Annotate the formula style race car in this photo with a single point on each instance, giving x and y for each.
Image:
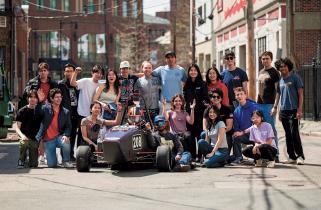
(129, 143)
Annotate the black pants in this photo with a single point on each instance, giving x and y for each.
(292, 136)
(267, 152)
(188, 142)
(80, 140)
(73, 134)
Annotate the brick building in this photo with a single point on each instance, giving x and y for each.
(13, 45)
(85, 33)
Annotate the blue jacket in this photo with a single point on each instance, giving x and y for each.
(242, 115)
(64, 122)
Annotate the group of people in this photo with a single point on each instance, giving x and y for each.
(207, 121)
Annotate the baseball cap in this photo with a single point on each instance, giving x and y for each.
(124, 64)
(170, 53)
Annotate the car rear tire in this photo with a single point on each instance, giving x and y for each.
(83, 158)
(164, 158)
(3, 132)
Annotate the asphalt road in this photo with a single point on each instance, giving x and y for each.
(284, 187)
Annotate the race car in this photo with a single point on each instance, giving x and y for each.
(129, 143)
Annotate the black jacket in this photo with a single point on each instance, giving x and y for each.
(64, 86)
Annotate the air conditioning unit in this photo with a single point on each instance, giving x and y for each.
(3, 21)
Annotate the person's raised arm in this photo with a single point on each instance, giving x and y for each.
(117, 120)
(164, 112)
(190, 118)
(73, 80)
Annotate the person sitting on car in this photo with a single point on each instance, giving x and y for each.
(91, 125)
(165, 137)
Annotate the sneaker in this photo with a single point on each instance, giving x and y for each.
(236, 162)
(300, 161)
(290, 161)
(277, 160)
(185, 168)
(67, 165)
(258, 163)
(270, 164)
(21, 164)
(42, 160)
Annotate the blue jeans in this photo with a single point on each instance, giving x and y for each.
(50, 151)
(218, 159)
(185, 158)
(266, 109)
(237, 145)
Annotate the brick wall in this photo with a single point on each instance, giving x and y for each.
(306, 45)
(307, 6)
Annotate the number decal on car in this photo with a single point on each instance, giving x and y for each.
(137, 142)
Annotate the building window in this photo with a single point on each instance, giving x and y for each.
(200, 16)
(91, 6)
(101, 4)
(40, 4)
(204, 16)
(115, 7)
(2, 55)
(79, 5)
(92, 47)
(261, 45)
(65, 5)
(125, 8)
(2, 5)
(53, 45)
(53, 4)
(135, 9)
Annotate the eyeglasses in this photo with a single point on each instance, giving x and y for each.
(229, 58)
(215, 96)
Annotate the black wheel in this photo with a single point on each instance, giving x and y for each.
(164, 158)
(83, 158)
(3, 132)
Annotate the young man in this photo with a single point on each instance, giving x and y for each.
(55, 130)
(268, 82)
(127, 82)
(28, 122)
(41, 83)
(163, 136)
(172, 77)
(87, 88)
(70, 102)
(148, 87)
(233, 77)
(290, 91)
(241, 122)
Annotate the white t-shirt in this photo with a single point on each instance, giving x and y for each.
(87, 89)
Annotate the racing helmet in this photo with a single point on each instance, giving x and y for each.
(135, 115)
(159, 120)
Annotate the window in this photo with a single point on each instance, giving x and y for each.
(115, 7)
(53, 45)
(125, 8)
(2, 55)
(261, 45)
(101, 5)
(91, 6)
(2, 5)
(135, 9)
(40, 4)
(79, 5)
(200, 16)
(53, 4)
(65, 5)
(91, 47)
(204, 16)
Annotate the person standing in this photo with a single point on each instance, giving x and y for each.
(172, 77)
(87, 88)
(268, 81)
(290, 95)
(214, 82)
(70, 102)
(55, 130)
(148, 87)
(27, 125)
(42, 83)
(195, 89)
(233, 77)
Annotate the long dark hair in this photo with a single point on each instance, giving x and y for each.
(219, 77)
(209, 121)
(198, 79)
(116, 84)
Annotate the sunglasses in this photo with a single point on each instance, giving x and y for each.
(229, 58)
(214, 96)
(160, 123)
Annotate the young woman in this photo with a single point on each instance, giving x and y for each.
(214, 81)
(178, 118)
(262, 134)
(214, 146)
(91, 125)
(108, 95)
(195, 89)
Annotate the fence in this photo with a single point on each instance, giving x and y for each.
(311, 77)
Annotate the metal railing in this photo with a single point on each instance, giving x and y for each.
(311, 77)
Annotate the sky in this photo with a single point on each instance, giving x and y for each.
(152, 6)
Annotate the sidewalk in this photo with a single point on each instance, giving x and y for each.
(307, 128)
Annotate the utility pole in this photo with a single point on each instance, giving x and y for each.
(193, 32)
(251, 50)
